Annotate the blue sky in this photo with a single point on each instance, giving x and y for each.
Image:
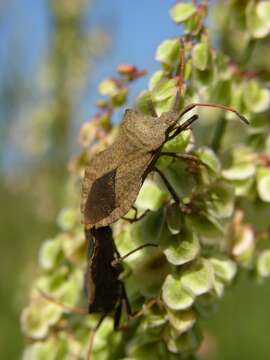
(135, 29)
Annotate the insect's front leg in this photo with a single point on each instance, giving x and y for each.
(121, 258)
(92, 336)
(183, 126)
(136, 217)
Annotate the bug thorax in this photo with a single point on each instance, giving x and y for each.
(169, 119)
(145, 131)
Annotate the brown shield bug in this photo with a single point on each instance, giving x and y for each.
(114, 176)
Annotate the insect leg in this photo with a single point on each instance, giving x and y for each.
(135, 209)
(137, 249)
(183, 126)
(117, 316)
(121, 258)
(92, 336)
(79, 311)
(125, 300)
(168, 185)
(187, 157)
(136, 218)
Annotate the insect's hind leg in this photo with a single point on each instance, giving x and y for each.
(124, 302)
(92, 336)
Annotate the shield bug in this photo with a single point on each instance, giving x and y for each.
(114, 176)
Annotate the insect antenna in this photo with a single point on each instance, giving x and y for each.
(218, 106)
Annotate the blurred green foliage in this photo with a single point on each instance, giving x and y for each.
(217, 242)
(31, 198)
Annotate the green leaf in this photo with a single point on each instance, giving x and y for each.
(119, 98)
(200, 56)
(165, 105)
(222, 199)
(243, 187)
(185, 343)
(256, 98)
(263, 263)
(40, 350)
(173, 294)
(155, 320)
(164, 90)
(149, 229)
(183, 248)
(263, 183)
(219, 288)
(37, 318)
(179, 143)
(244, 247)
(74, 247)
(182, 321)
(102, 334)
(182, 11)
(178, 177)
(69, 292)
(168, 52)
(67, 219)
(163, 162)
(150, 196)
(258, 16)
(188, 70)
(208, 229)
(174, 218)
(144, 101)
(155, 79)
(208, 157)
(241, 171)
(199, 279)
(141, 351)
(108, 87)
(50, 253)
(225, 269)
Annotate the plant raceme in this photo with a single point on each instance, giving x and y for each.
(222, 168)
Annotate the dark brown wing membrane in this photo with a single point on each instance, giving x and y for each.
(101, 281)
(101, 198)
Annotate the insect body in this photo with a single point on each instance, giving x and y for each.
(114, 176)
(105, 292)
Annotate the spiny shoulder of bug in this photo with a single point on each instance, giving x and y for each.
(135, 120)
